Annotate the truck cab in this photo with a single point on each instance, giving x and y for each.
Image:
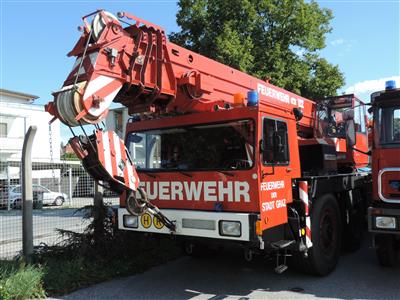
(213, 172)
(384, 213)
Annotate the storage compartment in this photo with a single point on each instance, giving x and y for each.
(318, 159)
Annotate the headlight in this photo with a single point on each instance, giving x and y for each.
(230, 228)
(131, 221)
(385, 222)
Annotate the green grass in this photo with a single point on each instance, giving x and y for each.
(58, 271)
(18, 281)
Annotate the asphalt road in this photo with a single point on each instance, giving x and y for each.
(228, 276)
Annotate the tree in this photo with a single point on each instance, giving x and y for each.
(270, 39)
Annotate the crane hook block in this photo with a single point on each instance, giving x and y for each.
(105, 157)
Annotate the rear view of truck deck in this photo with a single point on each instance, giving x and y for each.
(212, 154)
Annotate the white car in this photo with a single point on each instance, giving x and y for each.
(49, 197)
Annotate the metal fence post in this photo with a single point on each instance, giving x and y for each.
(27, 195)
(8, 187)
(70, 185)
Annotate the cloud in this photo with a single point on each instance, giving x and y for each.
(337, 42)
(342, 46)
(368, 86)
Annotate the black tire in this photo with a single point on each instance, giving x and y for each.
(386, 250)
(59, 201)
(326, 231)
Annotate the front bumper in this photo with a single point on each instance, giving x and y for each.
(374, 212)
(192, 223)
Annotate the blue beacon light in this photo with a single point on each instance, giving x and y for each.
(252, 98)
(390, 85)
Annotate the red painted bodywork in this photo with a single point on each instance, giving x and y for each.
(171, 86)
(384, 156)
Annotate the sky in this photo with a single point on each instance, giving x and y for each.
(35, 37)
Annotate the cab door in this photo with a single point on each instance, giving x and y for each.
(360, 122)
(275, 181)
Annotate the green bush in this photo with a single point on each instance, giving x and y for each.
(20, 282)
(100, 253)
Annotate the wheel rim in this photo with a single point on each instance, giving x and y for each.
(328, 233)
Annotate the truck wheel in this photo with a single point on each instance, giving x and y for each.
(386, 250)
(323, 256)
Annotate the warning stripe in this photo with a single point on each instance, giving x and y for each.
(117, 147)
(337, 145)
(131, 177)
(107, 153)
(303, 193)
(113, 153)
(126, 165)
(96, 85)
(100, 147)
(340, 145)
(114, 157)
(103, 87)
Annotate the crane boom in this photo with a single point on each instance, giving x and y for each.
(138, 67)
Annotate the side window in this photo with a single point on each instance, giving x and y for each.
(360, 118)
(364, 119)
(396, 125)
(275, 142)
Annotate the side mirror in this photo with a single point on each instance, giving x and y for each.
(350, 133)
(262, 146)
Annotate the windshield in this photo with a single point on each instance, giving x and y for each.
(389, 125)
(218, 146)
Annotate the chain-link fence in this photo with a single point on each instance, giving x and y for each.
(59, 190)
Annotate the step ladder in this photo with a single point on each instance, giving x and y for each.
(279, 246)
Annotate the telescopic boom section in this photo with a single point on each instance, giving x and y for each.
(138, 67)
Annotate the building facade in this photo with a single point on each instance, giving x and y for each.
(17, 112)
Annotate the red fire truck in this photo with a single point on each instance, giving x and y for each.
(384, 214)
(211, 154)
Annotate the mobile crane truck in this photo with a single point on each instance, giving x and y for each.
(211, 154)
(384, 213)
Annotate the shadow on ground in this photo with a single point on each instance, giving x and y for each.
(227, 275)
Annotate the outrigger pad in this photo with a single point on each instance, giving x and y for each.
(105, 157)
